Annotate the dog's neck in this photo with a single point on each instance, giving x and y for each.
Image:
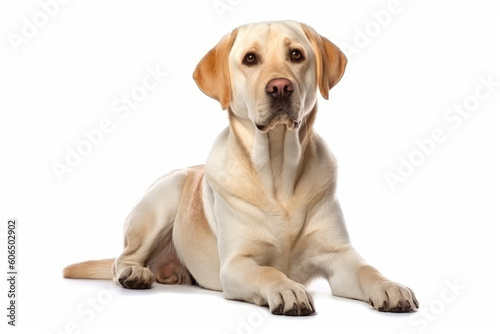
(276, 156)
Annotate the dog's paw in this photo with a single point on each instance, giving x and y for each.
(135, 277)
(290, 298)
(388, 296)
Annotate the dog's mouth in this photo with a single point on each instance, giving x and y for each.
(280, 116)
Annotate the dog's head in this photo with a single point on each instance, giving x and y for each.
(269, 73)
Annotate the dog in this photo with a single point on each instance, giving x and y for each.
(260, 219)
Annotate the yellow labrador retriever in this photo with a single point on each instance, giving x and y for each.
(260, 219)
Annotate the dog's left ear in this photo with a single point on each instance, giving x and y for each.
(330, 61)
(212, 73)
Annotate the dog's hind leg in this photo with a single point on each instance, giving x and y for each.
(165, 264)
(147, 228)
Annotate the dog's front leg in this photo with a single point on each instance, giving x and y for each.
(243, 279)
(348, 274)
(248, 268)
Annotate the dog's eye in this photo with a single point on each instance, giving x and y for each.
(296, 55)
(250, 58)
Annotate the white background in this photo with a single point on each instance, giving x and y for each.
(438, 227)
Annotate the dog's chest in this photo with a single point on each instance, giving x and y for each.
(282, 226)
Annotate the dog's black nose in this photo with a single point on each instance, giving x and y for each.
(279, 88)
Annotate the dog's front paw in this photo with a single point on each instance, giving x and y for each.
(135, 277)
(290, 298)
(388, 296)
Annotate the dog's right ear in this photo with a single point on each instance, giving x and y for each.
(212, 73)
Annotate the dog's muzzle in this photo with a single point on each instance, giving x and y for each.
(279, 92)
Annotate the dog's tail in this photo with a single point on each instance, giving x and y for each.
(101, 269)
